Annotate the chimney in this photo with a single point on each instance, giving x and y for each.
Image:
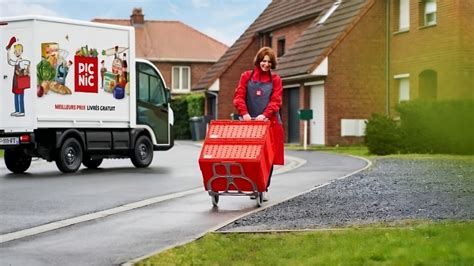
(137, 18)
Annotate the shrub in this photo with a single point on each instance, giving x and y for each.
(181, 118)
(381, 135)
(195, 104)
(437, 126)
(184, 107)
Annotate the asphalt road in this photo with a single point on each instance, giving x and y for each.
(119, 213)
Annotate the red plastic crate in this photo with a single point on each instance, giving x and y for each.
(231, 131)
(237, 163)
(226, 130)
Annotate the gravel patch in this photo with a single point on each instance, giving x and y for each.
(391, 190)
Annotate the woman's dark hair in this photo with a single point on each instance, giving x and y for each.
(262, 53)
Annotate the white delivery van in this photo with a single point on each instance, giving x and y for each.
(73, 92)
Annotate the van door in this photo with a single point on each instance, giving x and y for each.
(153, 104)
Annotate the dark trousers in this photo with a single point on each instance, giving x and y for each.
(270, 177)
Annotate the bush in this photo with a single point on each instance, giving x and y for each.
(437, 126)
(382, 135)
(195, 104)
(181, 118)
(184, 107)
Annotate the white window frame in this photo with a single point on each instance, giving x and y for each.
(403, 87)
(404, 16)
(180, 84)
(430, 8)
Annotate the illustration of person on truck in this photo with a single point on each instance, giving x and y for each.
(21, 75)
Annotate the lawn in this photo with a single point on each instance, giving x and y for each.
(420, 243)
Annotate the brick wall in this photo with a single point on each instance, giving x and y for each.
(355, 85)
(441, 48)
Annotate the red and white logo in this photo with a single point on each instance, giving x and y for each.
(86, 77)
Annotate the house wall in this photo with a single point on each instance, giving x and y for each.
(355, 85)
(466, 14)
(445, 48)
(197, 70)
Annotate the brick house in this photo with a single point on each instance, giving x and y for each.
(348, 59)
(167, 44)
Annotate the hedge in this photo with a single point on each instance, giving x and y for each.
(425, 127)
(184, 107)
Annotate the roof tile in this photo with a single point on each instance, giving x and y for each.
(163, 40)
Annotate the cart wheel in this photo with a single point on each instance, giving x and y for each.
(260, 199)
(215, 200)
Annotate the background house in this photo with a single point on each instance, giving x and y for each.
(346, 60)
(182, 54)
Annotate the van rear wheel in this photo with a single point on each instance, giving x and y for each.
(69, 156)
(17, 161)
(142, 153)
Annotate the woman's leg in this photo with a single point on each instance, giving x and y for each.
(270, 177)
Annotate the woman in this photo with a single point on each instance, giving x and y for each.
(259, 96)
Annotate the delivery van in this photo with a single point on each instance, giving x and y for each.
(73, 92)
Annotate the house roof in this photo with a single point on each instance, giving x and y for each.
(276, 14)
(309, 50)
(158, 40)
(319, 40)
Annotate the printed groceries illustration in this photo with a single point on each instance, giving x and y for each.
(54, 67)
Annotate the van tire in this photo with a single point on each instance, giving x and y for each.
(69, 156)
(17, 161)
(142, 153)
(91, 163)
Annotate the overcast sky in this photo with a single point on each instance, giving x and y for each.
(224, 20)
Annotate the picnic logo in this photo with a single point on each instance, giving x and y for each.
(86, 78)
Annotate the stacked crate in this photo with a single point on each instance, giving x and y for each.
(235, 151)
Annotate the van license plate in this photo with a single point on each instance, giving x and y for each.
(10, 141)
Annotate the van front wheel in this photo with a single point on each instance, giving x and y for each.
(142, 153)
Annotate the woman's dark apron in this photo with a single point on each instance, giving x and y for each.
(257, 97)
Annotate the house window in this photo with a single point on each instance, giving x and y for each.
(281, 47)
(266, 39)
(404, 15)
(429, 12)
(403, 82)
(428, 84)
(181, 80)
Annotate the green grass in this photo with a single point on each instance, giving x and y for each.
(423, 243)
(349, 150)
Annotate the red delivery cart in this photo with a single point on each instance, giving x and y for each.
(236, 159)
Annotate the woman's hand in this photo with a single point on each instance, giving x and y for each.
(246, 117)
(261, 118)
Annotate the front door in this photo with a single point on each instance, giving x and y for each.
(153, 103)
(317, 123)
(293, 118)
